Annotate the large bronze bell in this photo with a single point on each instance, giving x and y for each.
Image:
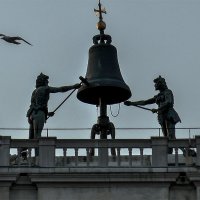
(104, 77)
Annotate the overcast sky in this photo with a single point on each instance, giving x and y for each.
(153, 37)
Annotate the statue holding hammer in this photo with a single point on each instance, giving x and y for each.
(167, 116)
(38, 111)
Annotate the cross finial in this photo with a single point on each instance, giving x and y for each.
(100, 10)
(101, 25)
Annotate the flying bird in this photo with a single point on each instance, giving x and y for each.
(12, 39)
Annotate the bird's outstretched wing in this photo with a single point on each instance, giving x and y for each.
(1, 35)
(19, 38)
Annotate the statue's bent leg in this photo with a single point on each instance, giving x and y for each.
(171, 130)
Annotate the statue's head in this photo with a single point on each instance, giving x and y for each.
(42, 80)
(160, 83)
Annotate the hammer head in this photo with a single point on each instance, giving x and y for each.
(84, 80)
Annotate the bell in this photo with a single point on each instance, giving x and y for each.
(104, 77)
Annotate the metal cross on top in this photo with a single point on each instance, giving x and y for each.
(101, 25)
(100, 11)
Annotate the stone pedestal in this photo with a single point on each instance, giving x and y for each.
(103, 154)
(5, 150)
(47, 152)
(159, 151)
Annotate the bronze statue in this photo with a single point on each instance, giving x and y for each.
(38, 111)
(167, 116)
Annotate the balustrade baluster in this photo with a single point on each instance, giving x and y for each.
(76, 157)
(29, 157)
(18, 156)
(186, 156)
(118, 157)
(65, 156)
(130, 157)
(88, 157)
(176, 156)
(142, 156)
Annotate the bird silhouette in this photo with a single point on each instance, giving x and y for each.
(12, 39)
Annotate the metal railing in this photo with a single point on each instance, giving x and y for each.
(84, 133)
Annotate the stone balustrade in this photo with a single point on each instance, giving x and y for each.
(142, 168)
(151, 152)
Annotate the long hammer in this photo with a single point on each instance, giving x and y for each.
(83, 80)
(143, 108)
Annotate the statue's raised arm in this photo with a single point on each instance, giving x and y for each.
(139, 103)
